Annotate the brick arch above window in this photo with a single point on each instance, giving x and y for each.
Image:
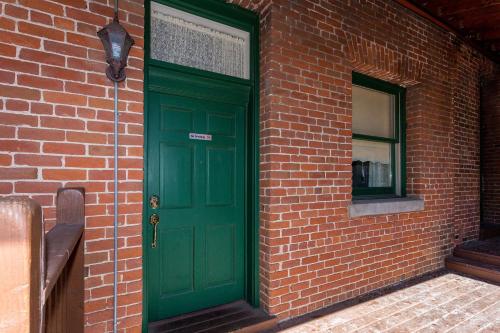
(379, 61)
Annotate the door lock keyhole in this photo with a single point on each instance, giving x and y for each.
(154, 201)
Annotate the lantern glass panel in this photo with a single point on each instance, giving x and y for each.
(116, 50)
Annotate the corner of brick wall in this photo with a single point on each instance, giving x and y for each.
(466, 142)
(490, 147)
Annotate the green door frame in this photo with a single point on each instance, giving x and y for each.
(232, 15)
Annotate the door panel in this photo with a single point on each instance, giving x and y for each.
(199, 260)
(176, 119)
(220, 248)
(222, 124)
(176, 263)
(176, 175)
(220, 176)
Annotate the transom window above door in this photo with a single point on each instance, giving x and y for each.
(378, 139)
(189, 40)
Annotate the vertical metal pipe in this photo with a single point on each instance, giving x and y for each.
(115, 209)
(115, 218)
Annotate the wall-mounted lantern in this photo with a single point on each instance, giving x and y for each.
(117, 43)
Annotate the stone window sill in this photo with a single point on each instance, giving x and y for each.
(385, 206)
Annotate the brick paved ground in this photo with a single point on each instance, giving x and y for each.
(449, 303)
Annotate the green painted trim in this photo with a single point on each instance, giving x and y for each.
(373, 138)
(233, 15)
(370, 82)
(181, 83)
(253, 290)
(372, 191)
(399, 136)
(403, 124)
(145, 245)
(199, 72)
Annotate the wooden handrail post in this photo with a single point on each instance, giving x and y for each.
(41, 277)
(64, 308)
(71, 210)
(70, 206)
(21, 274)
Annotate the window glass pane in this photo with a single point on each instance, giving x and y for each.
(189, 40)
(372, 112)
(371, 164)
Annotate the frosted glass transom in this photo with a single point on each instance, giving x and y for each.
(185, 39)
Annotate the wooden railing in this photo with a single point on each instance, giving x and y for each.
(41, 276)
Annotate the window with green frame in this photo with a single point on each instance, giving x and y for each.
(378, 139)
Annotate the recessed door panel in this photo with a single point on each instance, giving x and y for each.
(176, 175)
(220, 256)
(176, 119)
(221, 123)
(177, 246)
(220, 176)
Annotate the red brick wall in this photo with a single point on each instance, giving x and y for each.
(313, 255)
(56, 129)
(490, 148)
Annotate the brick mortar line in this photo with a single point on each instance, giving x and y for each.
(440, 305)
(475, 315)
(496, 323)
(394, 302)
(407, 308)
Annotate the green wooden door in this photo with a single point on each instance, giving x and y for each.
(196, 166)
